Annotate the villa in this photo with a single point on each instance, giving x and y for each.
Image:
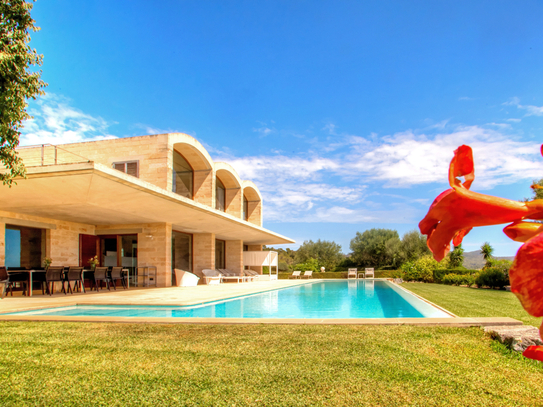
(156, 200)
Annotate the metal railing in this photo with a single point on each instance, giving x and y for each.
(48, 154)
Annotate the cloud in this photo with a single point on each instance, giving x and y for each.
(263, 131)
(530, 109)
(347, 184)
(56, 122)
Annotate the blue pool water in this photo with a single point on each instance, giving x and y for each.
(319, 300)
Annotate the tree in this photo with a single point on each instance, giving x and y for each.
(456, 258)
(487, 250)
(413, 246)
(373, 248)
(537, 187)
(328, 254)
(17, 82)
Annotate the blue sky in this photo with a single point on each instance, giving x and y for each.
(344, 113)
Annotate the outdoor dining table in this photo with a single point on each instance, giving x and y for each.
(29, 278)
(31, 273)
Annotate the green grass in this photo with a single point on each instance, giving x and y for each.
(472, 302)
(54, 364)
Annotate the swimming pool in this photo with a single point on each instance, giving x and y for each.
(319, 300)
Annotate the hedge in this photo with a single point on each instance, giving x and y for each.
(440, 273)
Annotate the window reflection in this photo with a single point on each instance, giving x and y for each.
(220, 195)
(182, 176)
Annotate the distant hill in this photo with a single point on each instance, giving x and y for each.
(475, 260)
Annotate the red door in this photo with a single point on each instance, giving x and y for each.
(88, 248)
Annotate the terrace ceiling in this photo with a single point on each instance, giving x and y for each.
(94, 194)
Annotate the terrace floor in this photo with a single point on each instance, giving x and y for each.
(197, 295)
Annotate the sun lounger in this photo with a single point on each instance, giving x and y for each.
(295, 274)
(253, 275)
(308, 274)
(369, 271)
(231, 275)
(351, 273)
(212, 277)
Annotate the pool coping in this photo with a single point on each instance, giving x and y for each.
(453, 321)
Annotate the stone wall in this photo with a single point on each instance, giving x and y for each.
(203, 253)
(234, 255)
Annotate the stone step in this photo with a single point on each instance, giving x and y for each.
(517, 337)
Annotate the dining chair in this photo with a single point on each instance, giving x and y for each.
(74, 274)
(52, 275)
(117, 274)
(101, 274)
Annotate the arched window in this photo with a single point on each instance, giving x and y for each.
(182, 176)
(245, 208)
(220, 195)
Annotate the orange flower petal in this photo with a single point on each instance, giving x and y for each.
(462, 166)
(534, 352)
(526, 276)
(457, 239)
(523, 231)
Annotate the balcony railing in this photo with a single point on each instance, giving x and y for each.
(48, 154)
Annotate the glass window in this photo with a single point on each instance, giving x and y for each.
(245, 208)
(219, 254)
(220, 195)
(181, 252)
(182, 176)
(24, 246)
(128, 167)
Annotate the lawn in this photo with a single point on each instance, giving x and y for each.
(473, 302)
(52, 363)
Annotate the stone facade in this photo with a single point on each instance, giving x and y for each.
(154, 155)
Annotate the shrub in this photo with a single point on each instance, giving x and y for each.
(458, 279)
(492, 277)
(421, 269)
(283, 266)
(440, 273)
(310, 264)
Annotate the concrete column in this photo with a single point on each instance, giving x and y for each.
(203, 245)
(155, 249)
(204, 187)
(234, 202)
(234, 255)
(2, 244)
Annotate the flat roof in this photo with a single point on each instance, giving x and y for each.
(95, 194)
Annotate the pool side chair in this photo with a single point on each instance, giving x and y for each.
(212, 277)
(295, 274)
(351, 273)
(252, 273)
(308, 274)
(231, 275)
(369, 271)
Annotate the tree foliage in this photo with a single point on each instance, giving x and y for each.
(328, 254)
(456, 258)
(374, 247)
(413, 246)
(537, 187)
(487, 251)
(17, 82)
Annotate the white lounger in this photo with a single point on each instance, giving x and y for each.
(212, 277)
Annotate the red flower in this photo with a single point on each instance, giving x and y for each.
(456, 211)
(534, 352)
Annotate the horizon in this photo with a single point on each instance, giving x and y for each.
(353, 109)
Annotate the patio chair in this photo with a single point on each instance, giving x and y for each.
(231, 275)
(117, 274)
(101, 274)
(212, 277)
(9, 279)
(74, 274)
(295, 274)
(370, 272)
(351, 273)
(308, 274)
(52, 275)
(252, 273)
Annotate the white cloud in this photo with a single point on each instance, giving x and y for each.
(530, 109)
(56, 122)
(334, 185)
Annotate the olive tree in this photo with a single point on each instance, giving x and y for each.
(18, 82)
